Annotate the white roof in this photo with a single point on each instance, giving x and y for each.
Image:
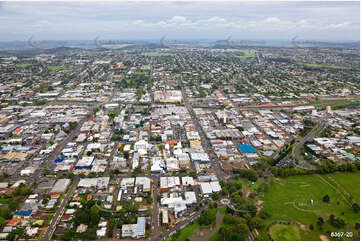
(215, 186)
(101, 232)
(157, 164)
(87, 182)
(206, 188)
(209, 187)
(178, 204)
(60, 185)
(187, 180)
(85, 161)
(127, 182)
(100, 182)
(145, 181)
(190, 197)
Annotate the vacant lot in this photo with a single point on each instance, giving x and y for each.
(290, 198)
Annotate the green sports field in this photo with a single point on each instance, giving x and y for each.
(23, 65)
(290, 199)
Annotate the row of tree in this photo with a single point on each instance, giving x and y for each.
(322, 169)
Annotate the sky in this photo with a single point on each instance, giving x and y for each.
(177, 20)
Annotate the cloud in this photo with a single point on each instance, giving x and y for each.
(272, 20)
(265, 20)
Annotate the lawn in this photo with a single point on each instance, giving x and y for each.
(185, 233)
(23, 65)
(282, 232)
(252, 186)
(328, 66)
(290, 198)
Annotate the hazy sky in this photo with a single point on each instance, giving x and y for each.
(331, 21)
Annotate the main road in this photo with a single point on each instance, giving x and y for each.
(296, 153)
(205, 141)
(60, 211)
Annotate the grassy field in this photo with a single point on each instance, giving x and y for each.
(23, 65)
(348, 181)
(156, 54)
(290, 198)
(115, 113)
(248, 53)
(327, 66)
(282, 232)
(337, 104)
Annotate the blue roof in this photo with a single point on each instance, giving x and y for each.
(59, 159)
(246, 149)
(24, 213)
(309, 154)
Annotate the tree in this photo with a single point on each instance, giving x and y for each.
(208, 217)
(320, 222)
(215, 196)
(94, 215)
(11, 236)
(5, 213)
(336, 222)
(311, 226)
(326, 198)
(67, 236)
(2, 221)
(357, 226)
(255, 223)
(193, 174)
(356, 207)
(233, 228)
(263, 214)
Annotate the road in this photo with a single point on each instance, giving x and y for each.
(221, 175)
(60, 211)
(296, 153)
(155, 212)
